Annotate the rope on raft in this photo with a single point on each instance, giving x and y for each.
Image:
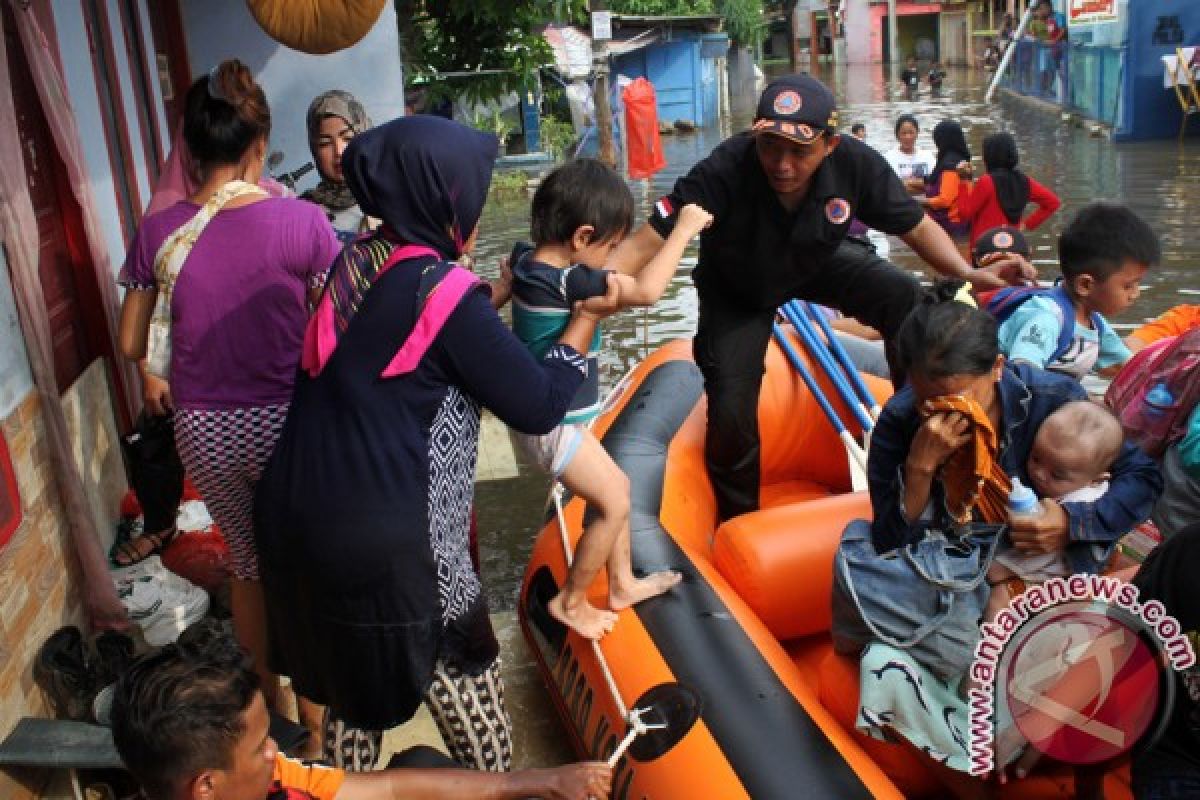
(633, 718)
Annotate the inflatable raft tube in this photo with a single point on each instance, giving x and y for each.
(736, 660)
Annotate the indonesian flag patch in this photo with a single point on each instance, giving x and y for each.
(664, 208)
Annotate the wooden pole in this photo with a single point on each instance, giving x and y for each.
(893, 43)
(608, 153)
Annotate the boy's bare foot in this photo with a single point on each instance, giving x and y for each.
(636, 590)
(582, 617)
(1010, 745)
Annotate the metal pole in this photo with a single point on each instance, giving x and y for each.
(608, 153)
(1008, 55)
(893, 55)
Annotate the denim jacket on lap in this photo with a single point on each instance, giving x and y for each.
(1027, 396)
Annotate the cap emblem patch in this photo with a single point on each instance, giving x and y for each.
(1002, 239)
(837, 211)
(787, 102)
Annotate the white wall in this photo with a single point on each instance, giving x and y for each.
(15, 377)
(857, 21)
(76, 58)
(221, 29)
(128, 103)
(160, 110)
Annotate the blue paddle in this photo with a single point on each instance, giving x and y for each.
(858, 457)
(835, 346)
(816, 348)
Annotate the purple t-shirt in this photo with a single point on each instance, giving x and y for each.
(240, 303)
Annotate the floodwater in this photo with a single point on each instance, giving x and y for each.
(1155, 178)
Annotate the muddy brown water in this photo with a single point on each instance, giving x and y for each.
(1161, 180)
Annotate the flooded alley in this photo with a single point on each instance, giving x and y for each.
(1155, 178)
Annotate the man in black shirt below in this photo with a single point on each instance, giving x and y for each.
(782, 196)
(1169, 767)
(910, 77)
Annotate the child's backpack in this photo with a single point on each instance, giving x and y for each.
(1003, 303)
(1156, 391)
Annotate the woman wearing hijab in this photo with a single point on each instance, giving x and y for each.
(999, 198)
(941, 187)
(363, 510)
(334, 119)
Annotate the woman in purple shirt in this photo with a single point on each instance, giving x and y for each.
(238, 310)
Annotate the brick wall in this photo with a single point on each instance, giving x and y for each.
(39, 575)
(37, 580)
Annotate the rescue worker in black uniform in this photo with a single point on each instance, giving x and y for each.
(782, 196)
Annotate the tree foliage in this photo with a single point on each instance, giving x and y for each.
(662, 8)
(743, 19)
(452, 36)
(482, 36)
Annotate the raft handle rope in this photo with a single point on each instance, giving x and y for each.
(636, 729)
(556, 493)
(632, 718)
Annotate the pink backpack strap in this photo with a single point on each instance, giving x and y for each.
(320, 335)
(437, 309)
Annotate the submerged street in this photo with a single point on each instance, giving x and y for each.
(1160, 180)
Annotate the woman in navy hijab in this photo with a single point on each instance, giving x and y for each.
(362, 513)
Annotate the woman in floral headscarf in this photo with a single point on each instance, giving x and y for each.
(362, 513)
(334, 119)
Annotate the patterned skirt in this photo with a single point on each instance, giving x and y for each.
(224, 452)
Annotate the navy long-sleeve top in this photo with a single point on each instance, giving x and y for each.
(362, 515)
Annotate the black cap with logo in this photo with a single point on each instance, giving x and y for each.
(798, 107)
(1002, 239)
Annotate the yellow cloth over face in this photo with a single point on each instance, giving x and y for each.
(972, 478)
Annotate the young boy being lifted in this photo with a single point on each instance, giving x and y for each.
(581, 211)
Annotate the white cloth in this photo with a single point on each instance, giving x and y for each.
(1171, 74)
(917, 164)
(193, 516)
(552, 451)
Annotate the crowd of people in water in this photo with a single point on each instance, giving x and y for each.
(328, 358)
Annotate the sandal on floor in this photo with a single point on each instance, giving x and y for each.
(130, 551)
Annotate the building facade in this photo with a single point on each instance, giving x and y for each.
(96, 88)
(1110, 69)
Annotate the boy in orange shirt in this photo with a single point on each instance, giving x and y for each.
(191, 724)
(1173, 322)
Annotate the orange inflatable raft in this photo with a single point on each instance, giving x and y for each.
(737, 659)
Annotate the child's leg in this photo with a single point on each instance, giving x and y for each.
(592, 475)
(998, 577)
(624, 589)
